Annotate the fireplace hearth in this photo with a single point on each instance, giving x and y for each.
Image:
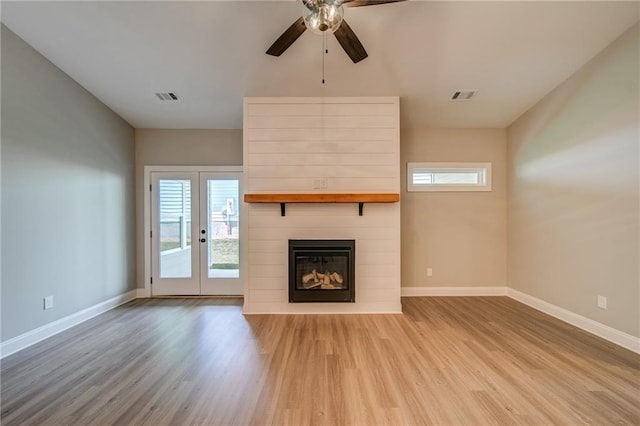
(321, 271)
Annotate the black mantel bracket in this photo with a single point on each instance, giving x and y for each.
(283, 209)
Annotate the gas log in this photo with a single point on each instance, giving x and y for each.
(326, 281)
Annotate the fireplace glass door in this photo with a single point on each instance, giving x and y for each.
(321, 271)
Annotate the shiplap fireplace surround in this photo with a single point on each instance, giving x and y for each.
(334, 151)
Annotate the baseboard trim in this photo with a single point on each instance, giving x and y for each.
(618, 337)
(32, 337)
(610, 334)
(143, 293)
(452, 291)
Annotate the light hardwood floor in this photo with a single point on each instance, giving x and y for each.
(450, 361)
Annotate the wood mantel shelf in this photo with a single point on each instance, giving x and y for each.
(359, 198)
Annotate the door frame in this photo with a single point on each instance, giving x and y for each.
(146, 292)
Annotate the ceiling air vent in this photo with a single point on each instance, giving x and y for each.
(168, 96)
(463, 95)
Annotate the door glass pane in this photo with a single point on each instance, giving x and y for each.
(222, 211)
(175, 228)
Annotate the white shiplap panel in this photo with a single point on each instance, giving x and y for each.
(375, 283)
(377, 258)
(319, 110)
(257, 209)
(326, 160)
(319, 221)
(274, 258)
(265, 296)
(323, 122)
(302, 209)
(379, 246)
(361, 172)
(379, 295)
(360, 100)
(320, 135)
(321, 147)
(352, 143)
(262, 271)
(379, 270)
(268, 246)
(379, 235)
(306, 184)
(270, 283)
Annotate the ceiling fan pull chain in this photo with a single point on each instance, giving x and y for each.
(324, 51)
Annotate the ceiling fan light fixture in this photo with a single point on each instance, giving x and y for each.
(321, 16)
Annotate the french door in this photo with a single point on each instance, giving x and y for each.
(195, 233)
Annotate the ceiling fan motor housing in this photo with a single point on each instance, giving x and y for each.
(322, 15)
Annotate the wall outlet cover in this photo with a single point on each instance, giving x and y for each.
(602, 302)
(48, 302)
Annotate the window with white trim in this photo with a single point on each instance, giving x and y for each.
(448, 177)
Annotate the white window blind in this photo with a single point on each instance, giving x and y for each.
(449, 177)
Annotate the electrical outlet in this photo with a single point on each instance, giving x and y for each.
(48, 302)
(322, 183)
(602, 302)
(429, 272)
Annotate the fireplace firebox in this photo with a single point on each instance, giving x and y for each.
(322, 271)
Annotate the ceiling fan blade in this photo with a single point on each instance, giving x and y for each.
(350, 43)
(360, 3)
(287, 38)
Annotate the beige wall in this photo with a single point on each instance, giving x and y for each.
(574, 191)
(460, 235)
(178, 147)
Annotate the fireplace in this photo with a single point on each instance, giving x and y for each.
(322, 271)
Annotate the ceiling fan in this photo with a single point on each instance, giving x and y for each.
(321, 16)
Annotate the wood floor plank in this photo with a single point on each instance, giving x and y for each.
(445, 361)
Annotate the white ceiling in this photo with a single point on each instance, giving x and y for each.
(212, 55)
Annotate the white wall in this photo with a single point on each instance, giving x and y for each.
(67, 194)
(461, 236)
(354, 144)
(574, 192)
